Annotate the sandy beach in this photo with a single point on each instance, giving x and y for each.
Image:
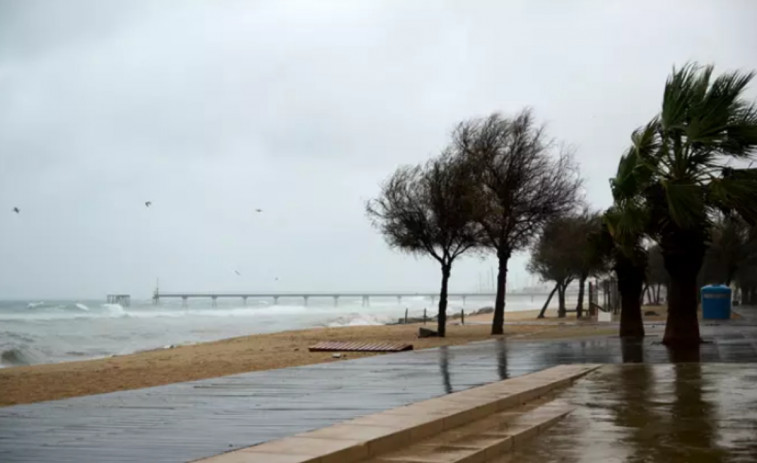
(34, 383)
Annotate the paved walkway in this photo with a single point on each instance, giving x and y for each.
(687, 412)
(186, 421)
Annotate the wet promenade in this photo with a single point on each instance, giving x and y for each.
(186, 421)
(686, 412)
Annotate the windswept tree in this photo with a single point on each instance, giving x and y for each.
(590, 258)
(555, 255)
(627, 223)
(428, 210)
(522, 181)
(625, 231)
(683, 173)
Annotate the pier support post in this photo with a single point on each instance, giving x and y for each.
(399, 300)
(275, 300)
(244, 300)
(336, 301)
(183, 301)
(215, 301)
(463, 300)
(306, 300)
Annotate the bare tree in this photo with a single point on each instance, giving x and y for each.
(428, 210)
(521, 183)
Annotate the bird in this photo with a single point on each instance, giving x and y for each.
(148, 203)
(16, 210)
(258, 210)
(277, 279)
(237, 272)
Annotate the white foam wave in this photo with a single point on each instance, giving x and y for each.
(81, 306)
(360, 320)
(115, 310)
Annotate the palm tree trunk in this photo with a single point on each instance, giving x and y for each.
(442, 317)
(546, 304)
(683, 253)
(498, 321)
(580, 304)
(630, 284)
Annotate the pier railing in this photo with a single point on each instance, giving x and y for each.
(306, 296)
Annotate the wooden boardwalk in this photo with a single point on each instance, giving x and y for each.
(186, 421)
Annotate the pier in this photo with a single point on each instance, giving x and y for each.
(123, 299)
(365, 297)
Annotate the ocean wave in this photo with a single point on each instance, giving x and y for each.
(22, 355)
(70, 311)
(13, 336)
(360, 320)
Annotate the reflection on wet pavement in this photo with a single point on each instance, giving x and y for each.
(686, 412)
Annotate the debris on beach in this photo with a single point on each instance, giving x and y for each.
(331, 346)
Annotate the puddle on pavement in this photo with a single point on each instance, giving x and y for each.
(685, 412)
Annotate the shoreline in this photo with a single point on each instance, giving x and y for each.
(256, 352)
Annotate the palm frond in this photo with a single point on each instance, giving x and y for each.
(685, 204)
(736, 191)
(720, 108)
(680, 89)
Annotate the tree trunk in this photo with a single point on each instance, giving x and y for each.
(561, 309)
(683, 253)
(580, 304)
(630, 285)
(657, 294)
(442, 318)
(748, 294)
(498, 322)
(646, 293)
(546, 304)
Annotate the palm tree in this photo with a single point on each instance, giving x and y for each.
(627, 223)
(624, 225)
(681, 175)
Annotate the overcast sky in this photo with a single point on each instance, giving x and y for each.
(214, 109)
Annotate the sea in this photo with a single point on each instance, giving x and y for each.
(51, 331)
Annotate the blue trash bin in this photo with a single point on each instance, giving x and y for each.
(716, 302)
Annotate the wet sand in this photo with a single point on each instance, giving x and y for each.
(27, 384)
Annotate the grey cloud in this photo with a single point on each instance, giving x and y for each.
(212, 109)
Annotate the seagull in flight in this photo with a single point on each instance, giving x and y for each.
(258, 210)
(237, 272)
(16, 210)
(148, 203)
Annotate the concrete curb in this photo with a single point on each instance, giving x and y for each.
(372, 435)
